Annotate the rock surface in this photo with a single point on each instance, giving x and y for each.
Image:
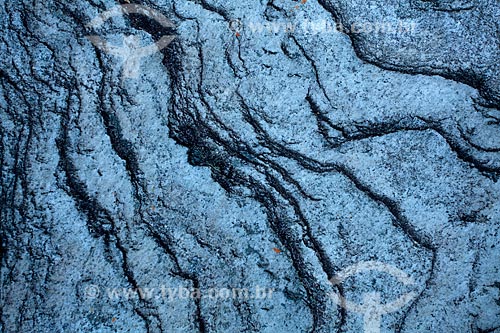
(228, 182)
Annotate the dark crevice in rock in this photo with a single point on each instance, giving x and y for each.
(199, 137)
(100, 222)
(399, 220)
(97, 217)
(125, 150)
(460, 143)
(469, 77)
(463, 153)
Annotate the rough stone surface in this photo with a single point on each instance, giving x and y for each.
(457, 39)
(259, 150)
